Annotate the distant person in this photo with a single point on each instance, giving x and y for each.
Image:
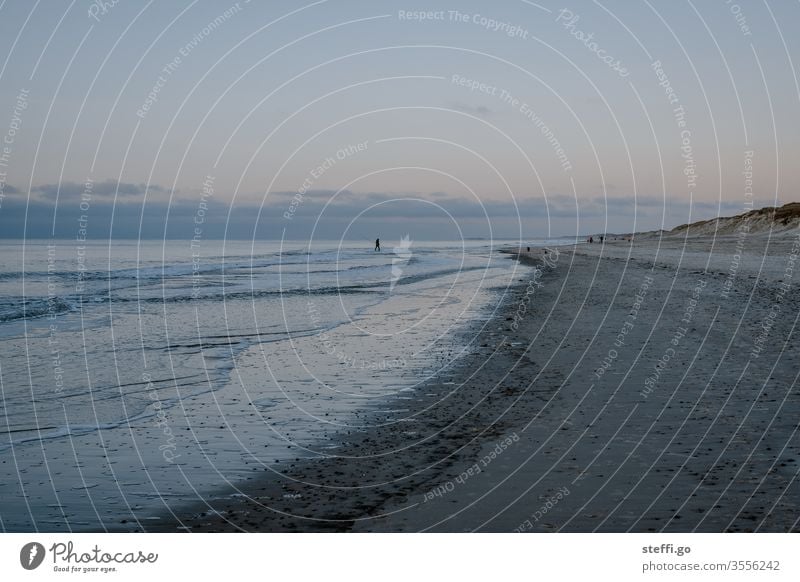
(601, 239)
(591, 239)
(529, 249)
(378, 245)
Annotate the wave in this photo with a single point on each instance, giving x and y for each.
(160, 272)
(30, 308)
(17, 308)
(42, 307)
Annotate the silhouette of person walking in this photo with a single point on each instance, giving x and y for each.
(378, 244)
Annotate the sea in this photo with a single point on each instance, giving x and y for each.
(137, 377)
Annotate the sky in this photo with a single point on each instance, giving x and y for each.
(352, 120)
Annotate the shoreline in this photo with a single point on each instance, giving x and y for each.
(550, 426)
(273, 501)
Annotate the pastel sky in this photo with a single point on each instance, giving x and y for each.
(502, 119)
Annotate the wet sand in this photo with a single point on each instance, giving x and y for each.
(646, 386)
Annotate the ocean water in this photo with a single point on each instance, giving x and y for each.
(137, 376)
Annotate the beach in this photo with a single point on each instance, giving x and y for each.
(164, 372)
(643, 386)
(372, 268)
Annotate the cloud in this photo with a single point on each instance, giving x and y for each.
(719, 208)
(352, 215)
(323, 195)
(479, 110)
(107, 188)
(332, 215)
(628, 202)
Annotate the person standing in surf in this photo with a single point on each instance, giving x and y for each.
(378, 245)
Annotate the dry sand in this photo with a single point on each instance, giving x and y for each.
(564, 420)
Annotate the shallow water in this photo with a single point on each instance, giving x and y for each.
(138, 376)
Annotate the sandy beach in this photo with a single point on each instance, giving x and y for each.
(639, 386)
(391, 268)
